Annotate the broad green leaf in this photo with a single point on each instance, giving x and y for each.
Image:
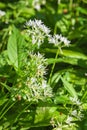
(72, 61)
(69, 53)
(82, 10)
(69, 88)
(74, 54)
(40, 116)
(15, 48)
(84, 106)
(61, 99)
(6, 86)
(44, 115)
(27, 12)
(55, 78)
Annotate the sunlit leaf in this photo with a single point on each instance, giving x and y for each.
(15, 48)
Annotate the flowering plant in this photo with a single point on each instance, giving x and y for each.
(31, 85)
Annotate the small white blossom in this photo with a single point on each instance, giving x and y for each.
(65, 41)
(74, 113)
(37, 30)
(2, 13)
(37, 4)
(38, 24)
(58, 39)
(75, 101)
(33, 79)
(44, 84)
(55, 39)
(69, 120)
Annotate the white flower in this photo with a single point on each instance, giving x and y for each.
(37, 4)
(58, 39)
(34, 23)
(37, 30)
(75, 101)
(38, 25)
(69, 119)
(65, 41)
(44, 84)
(55, 39)
(74, 113)
(2, 13)
(33, 80)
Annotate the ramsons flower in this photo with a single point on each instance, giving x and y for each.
(74, 113)
(37, 4)
(57, 39)
(77, 113)
(37, 31)
(39, 63)
(69, 120)
(2, 13)
(75, 101)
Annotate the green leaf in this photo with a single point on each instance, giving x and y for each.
(61, 99)
(74, 54)
(55, 78)
(15, 48)
(2, 101)
(82, 10)
(84, 106)
(69, 88)
(71, 53)
(73, 61)
(40, 116)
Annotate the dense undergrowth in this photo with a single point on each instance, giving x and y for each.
(43, 65)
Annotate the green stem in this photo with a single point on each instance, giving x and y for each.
(7, 109)
(53, 66)
(21, 112)
(55, 28)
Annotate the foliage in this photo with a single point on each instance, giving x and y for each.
(43, 76)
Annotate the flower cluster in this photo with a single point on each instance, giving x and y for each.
(33, 85)
(38, 32)
(68, 121)
(75, 101)
(76, 111)
(39, 63)
(58, 39)
(37, 4)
